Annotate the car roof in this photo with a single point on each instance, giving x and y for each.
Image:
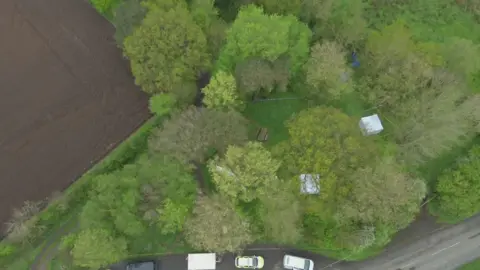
(141, 266)
(245, 259)
(295, 261)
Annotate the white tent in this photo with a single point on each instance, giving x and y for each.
(371, 125)
(202, 261)
(309, 183)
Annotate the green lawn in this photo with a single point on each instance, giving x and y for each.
(272, 114)
(475, 265)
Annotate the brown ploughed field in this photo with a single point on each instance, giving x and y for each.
(66, 97)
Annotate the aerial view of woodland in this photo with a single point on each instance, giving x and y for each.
(322, 125)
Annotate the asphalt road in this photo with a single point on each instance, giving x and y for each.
(444, 248)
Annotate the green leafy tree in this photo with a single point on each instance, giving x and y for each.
(128, 15)
(114, 205)
(167, 49)
(258, 76)
(314, 11)
(391, 44)
(254, 75)
(7, 249)
(217, 227)
(457, 196)
(281, 7)
(205, 15)
(95, 248)
(246, 172)
(383, 194)
(173, 216)
(255, 34)
(339, 20)
(326, 142)
(442, 116)
(281, 72)
(461, 56)
(191, 134)
(281, 215)
(325, 68)
(394, 72)
(221, 92)
(168, 192)
(161, 104)
(105, 7)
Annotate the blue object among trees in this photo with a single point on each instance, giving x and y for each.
(355, 62)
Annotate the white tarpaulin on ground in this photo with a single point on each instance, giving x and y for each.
(202, 261)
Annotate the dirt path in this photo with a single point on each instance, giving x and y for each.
(50, 247)
(66, 97)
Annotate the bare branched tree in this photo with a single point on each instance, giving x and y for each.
(23, 221)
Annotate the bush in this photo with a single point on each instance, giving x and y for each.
(128, 15)
(105, 7)
(457, 190)
(161, 104)
(6, 249)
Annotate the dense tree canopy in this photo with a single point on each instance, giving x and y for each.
(281, 7)
(339, 20)
(255, 34)
(217, 227)
(281, 214)
(246, 172)
(161, 104)
(327, 142)
(383, 194)
(221, 92)
(205, 15)
(457, 189)
(191, 134)
(95, 248)
(167, 49)
(327, 71)
(128, 15)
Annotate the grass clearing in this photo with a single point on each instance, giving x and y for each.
(475, 265)
(272, 114)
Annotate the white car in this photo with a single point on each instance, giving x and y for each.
(297, 263)
(251, 262)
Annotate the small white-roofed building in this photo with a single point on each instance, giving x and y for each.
(310, 183)
(371, 125)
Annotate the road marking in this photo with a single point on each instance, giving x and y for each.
(405, 266)
(443, 249)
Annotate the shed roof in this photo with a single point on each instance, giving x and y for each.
(371, 124)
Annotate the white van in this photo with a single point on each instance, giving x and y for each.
(297, 263)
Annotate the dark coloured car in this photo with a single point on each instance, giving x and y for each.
(145, 265)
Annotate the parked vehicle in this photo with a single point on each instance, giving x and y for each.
(202, 261)
(143, 265)
(250, 262)
(297, 263)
